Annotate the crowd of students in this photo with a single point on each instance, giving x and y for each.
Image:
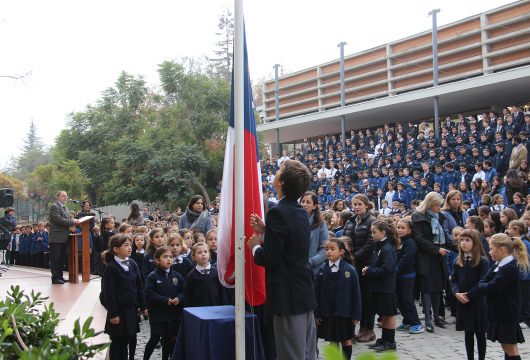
(391, 221)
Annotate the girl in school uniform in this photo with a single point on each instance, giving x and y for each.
(187, 236)
(470, 266)
(157, 239)
(382, 272)
(338, 297)
(164, 293)
(202, 283)
(518, 229)
(406, 274)
(123, 296)
(501, 285)
(181, 263)
(211, 241)
(138, 251)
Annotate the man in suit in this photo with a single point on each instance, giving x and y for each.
(60, 223)
(285, 256)
(519, 153)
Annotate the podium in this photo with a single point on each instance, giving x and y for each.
(73, 253)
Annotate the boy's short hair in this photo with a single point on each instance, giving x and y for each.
(295, 177)
(449, 165)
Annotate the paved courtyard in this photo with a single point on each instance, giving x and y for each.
(442, 344)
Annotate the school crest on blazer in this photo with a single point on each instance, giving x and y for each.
(347, 274)
(175, 281)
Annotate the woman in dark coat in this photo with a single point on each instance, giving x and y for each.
(433, 244)
(514, 184)
(362, 249)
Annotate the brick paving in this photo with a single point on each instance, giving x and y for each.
(442, 344)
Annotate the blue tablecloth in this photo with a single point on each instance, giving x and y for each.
(208, 333)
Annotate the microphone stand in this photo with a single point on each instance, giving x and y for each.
(99, 212)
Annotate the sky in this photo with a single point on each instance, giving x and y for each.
(72, 50)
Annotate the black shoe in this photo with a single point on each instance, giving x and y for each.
(377, 343)
(57, 282)
(385, 346)
(63, 280)
(440, 323)
(429, 328)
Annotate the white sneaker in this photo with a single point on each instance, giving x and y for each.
(523, 325)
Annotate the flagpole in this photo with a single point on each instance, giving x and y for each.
(239, 196)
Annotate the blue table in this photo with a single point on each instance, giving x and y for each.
(208, 333)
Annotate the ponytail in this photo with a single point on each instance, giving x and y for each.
(520, 253)
(390, 230)
(115, 241)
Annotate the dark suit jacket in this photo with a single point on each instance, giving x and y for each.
(285, 256)
(60, 221)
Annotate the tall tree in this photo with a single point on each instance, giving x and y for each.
(221, 63)
(33, 154)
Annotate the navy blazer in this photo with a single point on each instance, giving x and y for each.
(347, 299)
(285, 256)
(160, 286)
(382, 269)
(503, 292)
(122, 289)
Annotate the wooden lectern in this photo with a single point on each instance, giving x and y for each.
(73, 253)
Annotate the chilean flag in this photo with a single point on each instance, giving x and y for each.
(253, 203)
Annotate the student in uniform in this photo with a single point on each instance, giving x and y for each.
(202, 283)
(138, 251)
(406, 275)
(501, 285)
(156, 241)
(382, 272)
(470, 266)
(338, 297)
(518, 229)
(181, 263)
(164, 293)
(123, 297)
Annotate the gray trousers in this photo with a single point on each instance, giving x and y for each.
(295, 336)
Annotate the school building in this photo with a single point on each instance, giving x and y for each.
(484, 64)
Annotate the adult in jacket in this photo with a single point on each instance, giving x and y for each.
(285, 256)
(454, 213)
(362, 249)
(60, 223)
(434, 243)
(319, 231)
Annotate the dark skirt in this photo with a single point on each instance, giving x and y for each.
(505, 333)
(383, 304)
(472, 316)
(128, 325)
(335, 329)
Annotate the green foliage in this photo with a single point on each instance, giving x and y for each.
(138, 144)
(332, 352)
(33, 154)
(36, 324)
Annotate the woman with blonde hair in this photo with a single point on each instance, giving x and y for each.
(434, 243)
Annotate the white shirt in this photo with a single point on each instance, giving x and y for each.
(334, 268)
(503, 262)
(122, 262)
(479, 175)
(390, 196)
(201, 269)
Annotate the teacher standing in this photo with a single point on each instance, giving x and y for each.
(60, 223)
(285, 256)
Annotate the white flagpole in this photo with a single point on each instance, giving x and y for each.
(239, 196)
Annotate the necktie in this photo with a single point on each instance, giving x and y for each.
(467, 257)
(205, 271)
(125, 264)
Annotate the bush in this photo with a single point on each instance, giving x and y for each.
(28, 330)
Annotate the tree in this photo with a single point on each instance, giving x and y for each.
(221, 64)
(33, 154)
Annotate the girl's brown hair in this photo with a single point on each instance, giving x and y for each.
(115, 241)
(160, 251)
(510, 214)
(390, 231)
(477, 223)
(519, 226)
(364, 199)
(515, 246)
(176, 236)
(342, 246)
(151, 249)
(196, 246)
(133, 239)
(477, 252)
(124, 227)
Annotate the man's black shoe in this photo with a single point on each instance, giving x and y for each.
(440, 323)
(63, 280)
(57, 282)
